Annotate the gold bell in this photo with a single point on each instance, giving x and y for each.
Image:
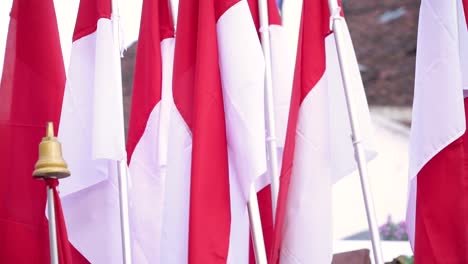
(50, 163)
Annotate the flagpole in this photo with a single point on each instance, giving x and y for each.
(51, 166)
(272, 151)
(173, 6)
(52, 226)
(256, 228)
(121, 164)
(337, 23)
(124, 212)
(272, 157)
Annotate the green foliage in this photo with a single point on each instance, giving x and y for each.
(403, 260)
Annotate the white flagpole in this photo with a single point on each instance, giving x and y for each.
(173, 5)
(121, 165)
(124, 212)
(338, 24)
(256, 228)
(52, 226)
(272, 154)
(269, 111)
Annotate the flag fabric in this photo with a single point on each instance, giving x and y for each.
(31, 91)
(92, 134)
(217, 135)
(318, 149)
(242, 71)
(199, 99)
(149, 127)
(437, 202)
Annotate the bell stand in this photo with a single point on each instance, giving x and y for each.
(51, 166)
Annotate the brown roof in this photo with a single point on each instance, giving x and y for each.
(386, 51)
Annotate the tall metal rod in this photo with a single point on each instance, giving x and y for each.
(272, 154)
(269, 103)
(338, 24)
(122, 165)
(124, 212)
(256, 228)
(173, 6)
(52, 226)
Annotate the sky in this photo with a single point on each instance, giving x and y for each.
(66, 10)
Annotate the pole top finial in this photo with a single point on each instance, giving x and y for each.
(50, 130)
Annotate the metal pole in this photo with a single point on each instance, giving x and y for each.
(270, 111)
(121, 165)
(124, 212)
(52, 226)
(256, 228)
(272, 154)
(360, 156)
(174, 9)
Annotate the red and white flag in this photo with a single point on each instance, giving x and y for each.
(31, 92)
(92, 134)
(438, 202)
(199, 99)
(243, 74)
(217, 136)
(318, 149)
(149, 127)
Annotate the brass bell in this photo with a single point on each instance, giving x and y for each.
(50, 163)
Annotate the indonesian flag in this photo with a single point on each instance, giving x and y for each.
(437, 212)
(318, 149)
(31, 91)
(217, 133)
(242, 71)
(92, 134)
(149, 127)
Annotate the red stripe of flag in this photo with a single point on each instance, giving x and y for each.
(31, 92)
(198, 97)
(442, 206)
